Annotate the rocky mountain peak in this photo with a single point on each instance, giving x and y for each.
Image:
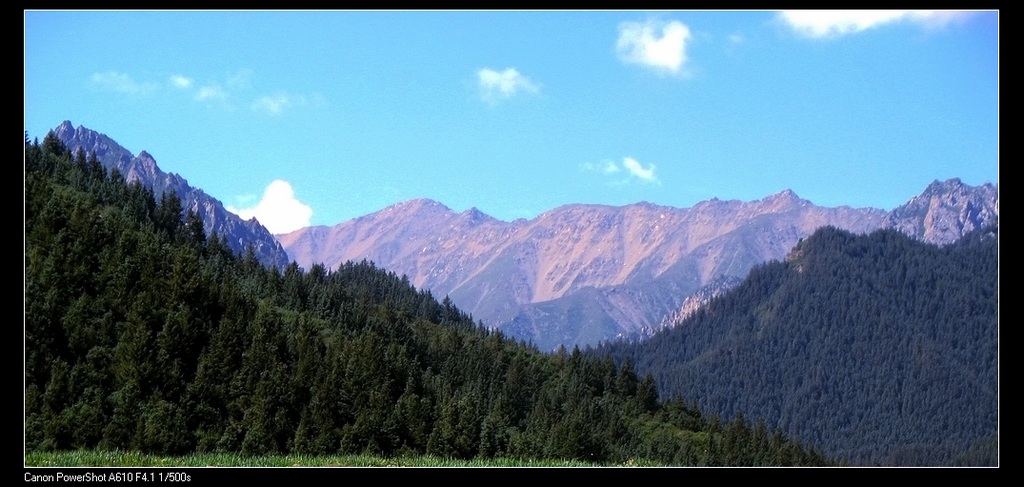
(783, 200)
(953, 188)
(786, 194)
(940, 187)
(108, 152)
(64, 128)
(946, 210)
(474, 216)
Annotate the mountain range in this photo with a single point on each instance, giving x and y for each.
(580, 274)
(143, 168)
(577, 274)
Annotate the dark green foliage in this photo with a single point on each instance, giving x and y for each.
(877, 349)
(143, 333)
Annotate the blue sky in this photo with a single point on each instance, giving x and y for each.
(316, 117)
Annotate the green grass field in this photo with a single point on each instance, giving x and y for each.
(133, 459)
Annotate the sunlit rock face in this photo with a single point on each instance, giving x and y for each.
(577, 274)
(946, 210)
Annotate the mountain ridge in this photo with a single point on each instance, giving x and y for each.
(524, 275)
(634, 263)
(143, 168)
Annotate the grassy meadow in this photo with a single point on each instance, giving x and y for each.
(96, 458)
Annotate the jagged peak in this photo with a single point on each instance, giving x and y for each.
(474, 212)
(783, 200)
(474, 216)
(943, 186)
(785, 195)
(81, 132)
(65, 131)
(945, 210)
(952, 186)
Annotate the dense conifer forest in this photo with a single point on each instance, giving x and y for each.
(877, 349)
(143, 333)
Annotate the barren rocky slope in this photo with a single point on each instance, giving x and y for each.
(577, 274)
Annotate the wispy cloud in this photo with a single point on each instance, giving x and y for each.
(835, 23)
(179, 81)
(210, 93)
(635, 171)
(224, 92)
(279, 210)
(277, 103)
(224, 89)
(655, 44)
(122, 83)
(496, 85)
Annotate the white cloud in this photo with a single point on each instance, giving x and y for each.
(655, 44)
(122, 83)
(275, 104)
(495, 85)
(636, 169)
(633, 168)
(834, 23)
(278, 210)
(180, 81)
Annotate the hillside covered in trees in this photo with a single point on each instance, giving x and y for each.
(877, 349)
(143, 333)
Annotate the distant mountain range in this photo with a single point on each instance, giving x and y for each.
(580, 274)
(143, 168)
(577, 274)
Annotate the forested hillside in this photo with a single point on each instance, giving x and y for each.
(144, 333)
(878, 349)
